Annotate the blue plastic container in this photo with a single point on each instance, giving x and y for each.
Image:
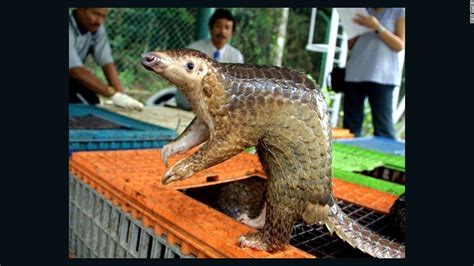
(129, 134)
(381, 144)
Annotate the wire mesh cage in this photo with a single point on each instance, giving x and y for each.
(317, 240)
(99, 229)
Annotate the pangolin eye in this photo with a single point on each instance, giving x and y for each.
(190, 66)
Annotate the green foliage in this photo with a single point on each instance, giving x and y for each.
(295, 54)
(367, 125)
(133, 31)
(256, 33)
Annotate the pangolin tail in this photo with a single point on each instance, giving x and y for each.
(361, 237)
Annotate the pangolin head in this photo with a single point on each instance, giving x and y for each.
(185, 68)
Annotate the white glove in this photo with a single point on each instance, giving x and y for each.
(123, 100)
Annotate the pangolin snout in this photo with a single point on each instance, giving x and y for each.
(150, 60)
(155, 61)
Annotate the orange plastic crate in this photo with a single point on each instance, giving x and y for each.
(132, 180)
(146, 167)
(363, 196)
(341, 133)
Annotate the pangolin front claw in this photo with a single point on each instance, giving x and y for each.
(169, 177)
(166, 151)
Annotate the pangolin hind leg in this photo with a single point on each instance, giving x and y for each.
(276, 231)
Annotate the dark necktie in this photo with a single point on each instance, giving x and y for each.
(216, 55)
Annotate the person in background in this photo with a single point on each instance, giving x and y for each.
(221, 27)
(87, 36)
(373, 70)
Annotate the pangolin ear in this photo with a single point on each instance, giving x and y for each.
(202, 69)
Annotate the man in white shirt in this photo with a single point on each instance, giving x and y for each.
(87, 36)
(221, 26)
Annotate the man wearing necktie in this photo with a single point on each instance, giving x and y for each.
(222, 27)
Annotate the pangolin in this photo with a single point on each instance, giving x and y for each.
(284, 115)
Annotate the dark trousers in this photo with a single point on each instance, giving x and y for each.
(380, 99)
(76, 88)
